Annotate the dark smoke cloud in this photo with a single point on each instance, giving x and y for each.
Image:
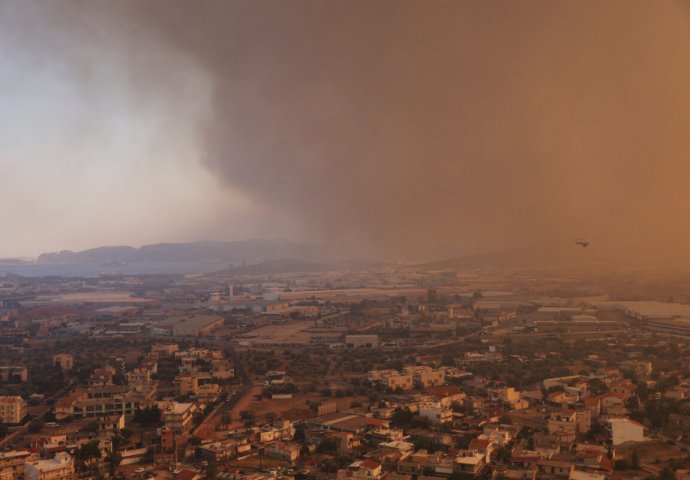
(423, 129)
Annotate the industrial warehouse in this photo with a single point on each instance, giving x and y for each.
(188, 326)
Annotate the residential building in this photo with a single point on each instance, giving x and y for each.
(426, 376)
(281, 430)
(14, 374)
(288, 451)
(361, 469)
(12, 409)
(61, 467)
(564, 424)
(222, 369)
(178, 417)
(165, 349)
(102, 400)
(396, 380)
(554, 468)
(469, 463)
(12, 463)
(624, 430)
(64, 360)
(224, 450)
(436, 413)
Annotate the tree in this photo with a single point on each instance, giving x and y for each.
(271, 417)
(211, 470)
(88, 451)
(114, 458)
(642, 391)
(35, 426)
(596, 387)
(634, 460)
(327, 445)
(300, 433)
(226, 418)
(503, 455)
(148, 416)
(247, 415)
(667, 474)
(632, 403)
(595, 430)
(90, 427)
(401, 417)
(148, 456)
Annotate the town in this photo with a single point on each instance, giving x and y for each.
(395, 372)
(344, 240)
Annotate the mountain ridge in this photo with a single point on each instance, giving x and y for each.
(240, 251)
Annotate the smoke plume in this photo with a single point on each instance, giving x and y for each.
(423, 129)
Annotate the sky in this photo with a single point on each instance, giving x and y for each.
(404, 130)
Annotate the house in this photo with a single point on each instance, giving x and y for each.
(557, 398)
(446, 396)
(134, 455)
(526, 459)
(555, 468)
(627, 389)
(469, 462)
(581, 475)
(613, 403)
(482, 445)
(281, 430)
(186, 474)
(12, 463)
(346, 441)
(361, 469)
(288, 451)
(436, 413)
(111, 424)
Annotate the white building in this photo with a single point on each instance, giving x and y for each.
(625, 430)
(59, 468)
(436, 413)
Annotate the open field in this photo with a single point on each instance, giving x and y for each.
(292, 332)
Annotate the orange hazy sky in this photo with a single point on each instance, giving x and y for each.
(396, 129)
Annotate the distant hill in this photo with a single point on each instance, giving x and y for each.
(13, 261)
(237, 253)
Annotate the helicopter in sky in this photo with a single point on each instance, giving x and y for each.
(583, 242)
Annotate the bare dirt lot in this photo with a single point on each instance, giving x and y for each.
(291, 332)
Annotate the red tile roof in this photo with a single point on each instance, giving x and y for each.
(479, 444)
(370, 464)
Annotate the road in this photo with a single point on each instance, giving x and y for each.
(40, 414)
(234, 404)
